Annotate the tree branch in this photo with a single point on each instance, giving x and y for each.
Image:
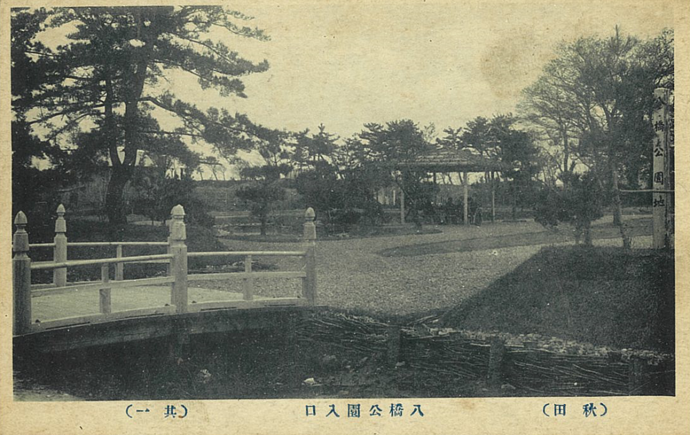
(64, 112)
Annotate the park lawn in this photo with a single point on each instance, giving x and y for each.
(601, 230)
(604, 296)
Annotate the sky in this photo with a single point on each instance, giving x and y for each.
(344, 64)
(347, 64)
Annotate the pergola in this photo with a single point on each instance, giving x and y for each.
(443, 160)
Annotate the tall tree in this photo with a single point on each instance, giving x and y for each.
(498, 140)
(310, 150)
(106, 79)
(264, 188)
(338, 180)
(27, 181)
(318, 179)
(391, 148)
(518, 156)
(594, 101)
(546, 106)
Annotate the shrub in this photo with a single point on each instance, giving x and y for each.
(578, 202)
(158, 195)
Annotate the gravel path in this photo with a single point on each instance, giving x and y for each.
(353, 276)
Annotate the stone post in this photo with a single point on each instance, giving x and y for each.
(60, 249)
(309, 282)
(178, 248)
(21, 275)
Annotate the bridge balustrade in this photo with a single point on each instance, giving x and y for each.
(177, 274)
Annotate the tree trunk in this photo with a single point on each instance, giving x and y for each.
(566, 150)
(264, 221)
(617, 204)
(114, 197)
(122, 170)
(588, 233)
(514, 201)
(493, 197)
(627, 242)
(414, 211)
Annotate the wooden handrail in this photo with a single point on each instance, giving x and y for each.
(245, 253)
(178, 274)
(96, 285)
(53, 265)
(243, 275)
(646, 191)
(82, 244)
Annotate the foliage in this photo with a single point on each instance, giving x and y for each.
(578, 202)
(321, 189)
(317, 149)
(593, 105)
(106, 78)
(389, 149)
(29, 184)
(340, 201)
(517, 159)
(336, 181)
(261, 198)
(157, 194)
(265, 188)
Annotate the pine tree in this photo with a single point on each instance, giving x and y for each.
(104, 80)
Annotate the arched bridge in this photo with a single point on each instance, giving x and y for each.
(63, 315)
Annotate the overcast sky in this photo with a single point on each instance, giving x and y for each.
(346, 64)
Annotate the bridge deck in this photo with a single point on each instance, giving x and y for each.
(72, 320)
(74, 304)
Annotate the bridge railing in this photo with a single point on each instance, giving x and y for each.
(178, 276)
(60, 251)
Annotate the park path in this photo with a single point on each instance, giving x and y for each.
(353, 275)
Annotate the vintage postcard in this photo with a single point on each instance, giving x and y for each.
(378, 217)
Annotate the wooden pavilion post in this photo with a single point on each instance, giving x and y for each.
(178, 248)
(309, 282)
(21, 276)
(465, 197)
(60, 249)
(493, 198)
(402, 206)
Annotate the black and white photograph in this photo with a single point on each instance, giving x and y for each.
(352, 209)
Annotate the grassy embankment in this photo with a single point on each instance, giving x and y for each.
(603, 296)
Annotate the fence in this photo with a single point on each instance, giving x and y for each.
(429, 362)
(177, 276)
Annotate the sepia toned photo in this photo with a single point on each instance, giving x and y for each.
(347, 213)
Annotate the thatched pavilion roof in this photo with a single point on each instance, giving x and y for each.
(452, 160)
